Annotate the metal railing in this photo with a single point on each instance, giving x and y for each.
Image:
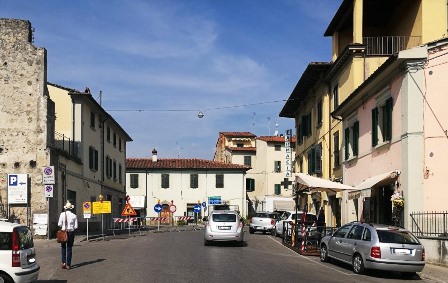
(64, 143)
(431, 225)
(389, 45)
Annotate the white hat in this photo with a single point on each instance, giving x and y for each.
(68, 205)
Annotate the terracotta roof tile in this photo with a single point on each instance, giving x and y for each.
(178, 163)
(275, 138)
(237, 134)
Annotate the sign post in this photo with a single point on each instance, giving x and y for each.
(128, 211)
(197, 210)
(158, 209)
(87, 211)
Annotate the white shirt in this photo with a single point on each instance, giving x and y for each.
(72, 221)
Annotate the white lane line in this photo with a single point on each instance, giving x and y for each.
(317, 263)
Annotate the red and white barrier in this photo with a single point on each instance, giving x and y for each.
(184, 217)
(123, 220)
(157, 218)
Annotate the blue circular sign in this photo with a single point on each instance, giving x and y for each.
(158, 208)
(197, 208)
(204, 204)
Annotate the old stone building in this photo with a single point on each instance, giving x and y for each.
(26, 118)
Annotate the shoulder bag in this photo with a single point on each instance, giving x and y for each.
(61, 235)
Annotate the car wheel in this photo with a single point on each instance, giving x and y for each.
(6, 278)
(323, 253)
(251, 230)
(408, 275)
(241, 244)
(358, 265)
(207, 243)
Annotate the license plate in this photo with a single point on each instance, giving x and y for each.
(224, 227)
(403, 251)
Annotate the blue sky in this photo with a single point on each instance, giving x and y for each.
(158, 63)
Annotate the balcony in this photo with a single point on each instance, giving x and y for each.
(389, 45)
(65, 146)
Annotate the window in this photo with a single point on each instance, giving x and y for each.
(351, 140)
(165, 181)
(382, 122)
(277, 166)
(277, 189)
(134, 180)
(115, 170)
(108, 134)
(340, 233)
(248, 160)
(335, 96)
(115, 139)
(93, 158)
(336, 161)
(250, 185)
(355, 233)
(219, 181)
(239, 145)
(194, 181)
(315, 159)
(299, 134)
(277, 147)
(92, 119)
(119, 144)
(108, 167)
(120, 173)
(319, 113)
(306, 125)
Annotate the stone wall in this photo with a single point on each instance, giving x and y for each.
(24, 116)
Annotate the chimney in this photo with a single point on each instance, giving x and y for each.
(154, 155)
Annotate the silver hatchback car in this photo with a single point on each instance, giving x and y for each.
(223, 225)
(374, 246)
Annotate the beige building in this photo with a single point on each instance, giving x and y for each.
(93, 147)
(266, 155)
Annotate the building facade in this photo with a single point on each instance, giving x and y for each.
(184, 183)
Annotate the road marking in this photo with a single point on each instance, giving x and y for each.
(318, 263)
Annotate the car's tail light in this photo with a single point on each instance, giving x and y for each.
(15, 248)
(423, 254)
(375, 252)
(272, 221)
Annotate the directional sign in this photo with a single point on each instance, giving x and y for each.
(128, 210)
(158, 208)
(17, 188)
(197, 208)
(204, 204)
(48, 191)
(214, 200)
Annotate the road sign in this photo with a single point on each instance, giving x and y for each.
(101, 207)
(48, 191)
(17, 188)
(87, 207)
(197, 208)
(128, 210)
(204, 204)
(173, 208)
(158, 208)
(214, 200)
(48, 175)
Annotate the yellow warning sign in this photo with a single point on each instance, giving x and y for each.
(128, 211)
(101, 207)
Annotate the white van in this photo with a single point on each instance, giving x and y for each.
(17, 254)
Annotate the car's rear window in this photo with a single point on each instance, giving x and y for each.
(25, 239)
(397, 237)
(266, 215)
(224, 217)
(309, 217)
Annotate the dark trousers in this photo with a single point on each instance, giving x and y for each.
(66, 248)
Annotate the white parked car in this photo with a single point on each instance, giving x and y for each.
(289, 217)
(17, 254)
(224, 226)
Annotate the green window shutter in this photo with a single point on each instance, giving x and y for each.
(318, 159)
(389, 104)
(310, 168)
(309, 120)
(277, 189)
(193, 181)
(355, 138)
(304, 126)
(347, 143)
(90, 157)
(219, 180)
(374, 126)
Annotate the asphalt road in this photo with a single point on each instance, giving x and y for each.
(182, 257)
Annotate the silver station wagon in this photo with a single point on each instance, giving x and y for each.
(374, 246)
(223, 226)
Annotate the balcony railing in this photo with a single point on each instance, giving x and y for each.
(64, 143)
(389, 45)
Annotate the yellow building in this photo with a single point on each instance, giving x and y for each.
(364, 35)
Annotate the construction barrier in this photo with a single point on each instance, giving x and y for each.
(121, 220)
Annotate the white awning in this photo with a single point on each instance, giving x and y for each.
(379, 180)
(307, 182)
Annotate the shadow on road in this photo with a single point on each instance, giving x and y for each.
(86, 263)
